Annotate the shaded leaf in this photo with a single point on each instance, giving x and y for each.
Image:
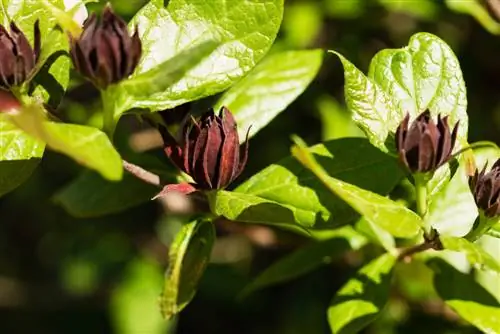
(307, 259)
(362, 298)
(389, 215)
(299, 196)
(465, 296)
(188, 257)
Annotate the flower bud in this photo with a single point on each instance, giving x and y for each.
(105, 53)
(425, 146)
(485, 187)
(17, 58)
(209, 150)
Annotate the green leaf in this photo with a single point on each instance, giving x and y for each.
(140, 87)
(53, 65)
(19, 156)
(188, 257)
(92, 196)
(362, 298)
(452, 210)
(474, 253)
(424, 75)
(307, 259)
(134, 302)
(87, 145)
(465, 296)
(244, 29)
(371, 107)
(270, 88)
(305, 200)
(387, 214)
(376, 234)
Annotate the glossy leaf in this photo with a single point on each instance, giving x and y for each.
(188, 257)
(270, 88)
(390, 216)
(475, 254)
(245, 30)
(19, 156)
(362, 298)
(466, 297)
(289, 194)
(376, 234)
(424, 75)
(139, 88)
(87, 145)
(307, 258)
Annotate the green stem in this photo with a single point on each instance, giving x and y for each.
(108, 109)
(421, 190)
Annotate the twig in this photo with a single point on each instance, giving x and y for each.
(430, 243)
(142, 174)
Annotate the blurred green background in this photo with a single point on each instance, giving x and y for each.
(59, 274)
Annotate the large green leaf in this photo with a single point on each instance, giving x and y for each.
(188, 257)
(307, 259)
(53, 77)
(270, 88)
(87, 145)
(389, 215)
(288, 193)
(475, 254)
(424, 75)
(245, 30)
(362, 298)
(19, 156)
(464, 295)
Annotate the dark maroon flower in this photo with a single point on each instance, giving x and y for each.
(485, 188)
(425, 146)
(209, 150)
(17, 58)
(105, 53)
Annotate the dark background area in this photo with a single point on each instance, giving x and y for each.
(59, 274)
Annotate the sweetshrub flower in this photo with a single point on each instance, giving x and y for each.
(425, 145)
(209, 150)
(105, 53)
(485, 187)
(17, 57)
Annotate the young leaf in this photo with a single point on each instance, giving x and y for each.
(308, 258)
(376, 234)
(390, 216)
(424, 75)
(288, 184)
(270, 88)
(245, 29)
(87, 145)
(465, 296)
(188, 257)
(19, 156)
(372, 109)
(475, 254)
(362, 298)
